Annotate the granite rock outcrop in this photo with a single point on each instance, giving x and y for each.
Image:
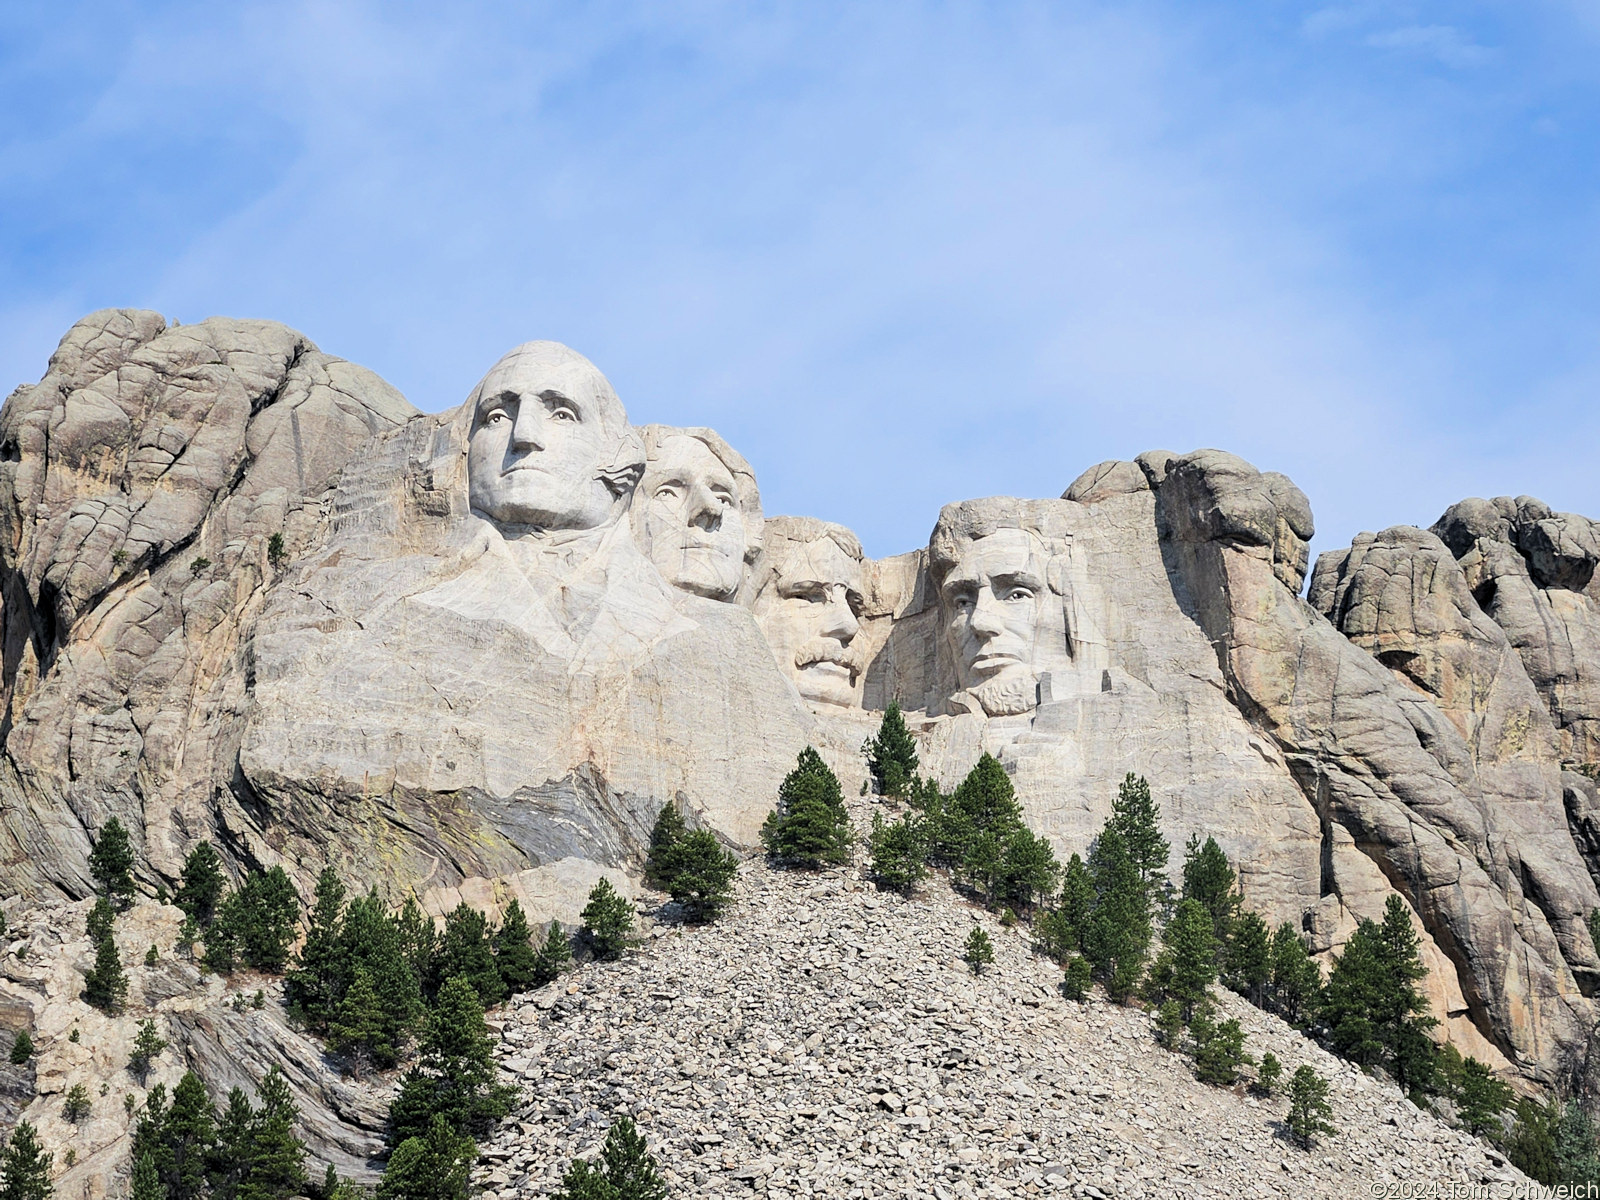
(251, 595)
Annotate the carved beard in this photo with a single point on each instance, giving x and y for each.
(1008, 694)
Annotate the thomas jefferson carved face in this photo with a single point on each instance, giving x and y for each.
(994, 601)
(809, 609)
(546, 433)
(689, 518)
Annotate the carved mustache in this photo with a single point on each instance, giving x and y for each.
(823, 650)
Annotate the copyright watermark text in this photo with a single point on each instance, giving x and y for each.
(1439, 1190)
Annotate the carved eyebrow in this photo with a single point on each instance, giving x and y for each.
(552, 398)
(1018, 579)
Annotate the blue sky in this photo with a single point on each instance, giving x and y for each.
(898, 254)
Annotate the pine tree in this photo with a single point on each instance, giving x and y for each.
(1308, 1107)
(585, 1181)
(1028, 870)
(1374, 1009)
(514, 955)
(978, 824)
(1077, 901)
(146, 1182)
(1192, 945)
(1218, 1047)
(433, 1165)
(76, 1106)
(111, 863)
(466, 949)
(359, 1028)
(899, 853)
(203, 884)
(190, 1134)
(1169, 1024)
(224, 935)
(702, 876)
(668, 831)
(629, 1167)
(100, 921)
(554, 955)
(150, 1134)
(1269, 1075)
(106, 984)
(321, 971)
(978, 952)
(25, 1166)
(188, 934)
(1247, 958)
(233, 1156)
(418, 937)
(1209, 878)
(370, 940)
(810, 826)
(607, 921)
(152, 956)
(22, 1048)
(1137, 818)
(270, 907)
(1480, 1098)
(279, 1167)
(1117, 939)
(456, 1075)
(1077, 978)
(1296, 990)
(147, 1043)
(892, 754)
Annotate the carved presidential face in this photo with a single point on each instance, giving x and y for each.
(541, 440)
(995, 602)
(689, 520)
(809, 613)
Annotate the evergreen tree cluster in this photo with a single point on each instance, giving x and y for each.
(105, 985)
(809, 828)
(254, 925)
(691, 867)
(25, 1166)
(892, 755)
(185, 1150)
(625, 1170)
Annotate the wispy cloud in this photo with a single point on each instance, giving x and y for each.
(898, 254)
(1444, 43)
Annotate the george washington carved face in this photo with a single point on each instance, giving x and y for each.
(548, 442)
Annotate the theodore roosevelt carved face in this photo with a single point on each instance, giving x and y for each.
(1003, 618)
(549, 446)
(809, 606)
(697, 513)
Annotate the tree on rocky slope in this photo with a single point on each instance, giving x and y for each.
(106, 984)
(1376, 1013)
(25, 1166)
(147, 1043)
(1117, 938)
(898, 852)
(555, 953)
(1209, 878)
(514, 955)
(313, 988)
(809, 827)
(699, 875)
(892, 754)
(203, 884)
(111, 863)
(625, 1170)
(466, 950)
(664, 835)
(1296, 988)
(1309, 1110)
(456, 1077)
(607, 921)
(433, 1165)
(1136, 817)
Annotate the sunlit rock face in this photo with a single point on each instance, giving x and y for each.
(252, 596)
(697, 514)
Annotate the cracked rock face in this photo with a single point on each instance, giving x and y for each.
(251, 595)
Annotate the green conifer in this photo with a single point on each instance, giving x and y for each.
(1375, 1012)
(1209, 878)
(1077, 978)
(809, 827)
(514, 955)
(1269, 1075)
(1028, 870)
(419, 937)
(76, 1106)
(456, 1075)
(359, 1028)
(555, 953)
(584, 1181)
(147, 1043)
(270, 908)
(190, 1135)
(25, 1166)
(1117, 939)
(1137, 818)
(1247, 958)
(667, 832)
(433, 1165)
(278, 1169)
(146, 1181)
(1309, 1109)
(1192, 944)
(978, 952)
(203, 884)
(106, 984)
(702, 875)
(629, 1167)
(322, 971)
(466, 950)
(100, 921)
(22, 1048)
(892, 754)
(1480, 1098)
(371, 940)
(1077, 901)
(1218, 1047)
(1296, 990)
(898, 853)
(1169, 1024)
(607, 921)
(111, 862)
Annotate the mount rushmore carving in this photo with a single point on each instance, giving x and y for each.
(251, 595)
